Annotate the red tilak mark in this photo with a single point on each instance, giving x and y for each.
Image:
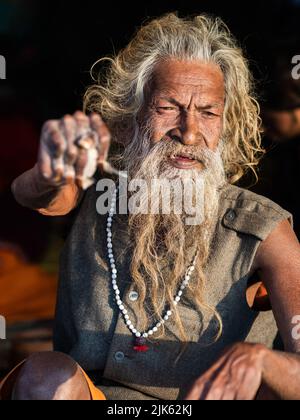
(141, 349)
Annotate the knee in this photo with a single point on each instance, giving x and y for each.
(50, 376)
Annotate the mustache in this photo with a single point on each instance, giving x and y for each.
(169, 149)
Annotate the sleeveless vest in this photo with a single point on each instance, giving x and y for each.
(90, 328)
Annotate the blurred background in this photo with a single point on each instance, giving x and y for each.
(49, 47)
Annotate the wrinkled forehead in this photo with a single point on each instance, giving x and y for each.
(186, 79)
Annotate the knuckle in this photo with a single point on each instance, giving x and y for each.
(250, 370)
(96, 118)
(240, 370)
(59, 169)
(68, 119)
(80, 116)
(105, 138)
(49, 125)
(98, 122)
(71, 154)
(72, 150)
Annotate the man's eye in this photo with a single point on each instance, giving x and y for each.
(166, 108)
(209, 114)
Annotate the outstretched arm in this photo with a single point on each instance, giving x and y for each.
(33, 191)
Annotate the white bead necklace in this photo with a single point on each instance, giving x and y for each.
(140, 340)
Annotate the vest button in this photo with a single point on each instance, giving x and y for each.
(119, 356)
(230, 215)
(133, 296)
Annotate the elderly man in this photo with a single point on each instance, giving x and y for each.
(150, 307)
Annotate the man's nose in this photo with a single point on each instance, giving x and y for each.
(188, 130)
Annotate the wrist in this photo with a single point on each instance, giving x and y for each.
(264, 355)
(41, 184)
(258, 354)
(34, 191)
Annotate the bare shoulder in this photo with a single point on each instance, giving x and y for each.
(280, 248)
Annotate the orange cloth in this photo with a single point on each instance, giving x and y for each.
(257, 294)
(27, 292)
(6, 386)
(96, 394)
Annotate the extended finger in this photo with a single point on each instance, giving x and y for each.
(44, 163)
(85, 137)
(82, 122)
(80, 165)
(55, 145)
(224, 387)
(249, 385)
(53, 138)
(203, 385)
(69, 128)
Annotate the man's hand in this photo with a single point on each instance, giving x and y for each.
(72, 148)
(237, 375)
(70, 151)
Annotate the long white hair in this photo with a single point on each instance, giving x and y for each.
(119, 92)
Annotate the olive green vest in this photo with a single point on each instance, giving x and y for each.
(90, 328)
